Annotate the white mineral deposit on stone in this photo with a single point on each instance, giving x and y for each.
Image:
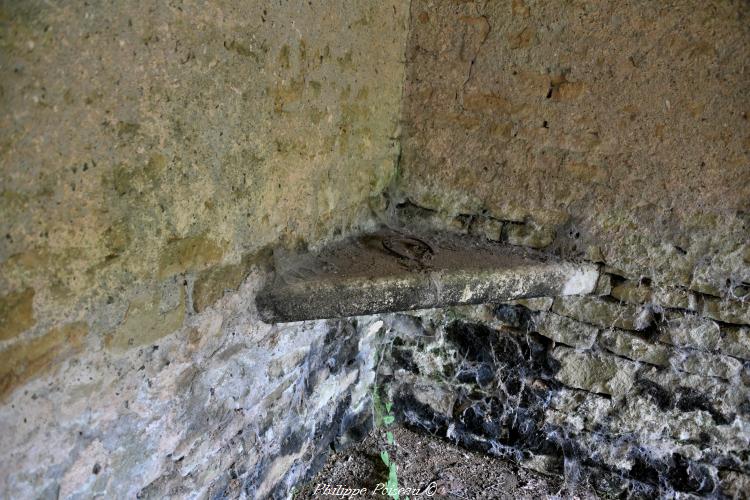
(466, 295)
(582, 282)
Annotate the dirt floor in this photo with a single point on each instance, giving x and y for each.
(428, 467)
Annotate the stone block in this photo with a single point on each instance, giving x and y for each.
(597, 312)
(544, 464)
(734, 484)
(735, 341)
(640, 417)
(675, 298)
(459, 224)
(487, 228)
(594, 254)
(688, 330)
(632, 292)
(191, 253)
(535, 304)
(603, 285)
(707, 364)
(580, 410)
(714, 392)
(594, 372)
(388, 271)
(529, 234)
(727, 311)
(566, 331)
(634, 347)
(211, 284)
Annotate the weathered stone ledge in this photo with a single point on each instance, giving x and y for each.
(390, 271)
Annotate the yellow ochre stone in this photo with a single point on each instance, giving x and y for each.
(24, 361)
(211, 284)
(188, 254)
(16, 313)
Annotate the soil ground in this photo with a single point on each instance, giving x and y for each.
(432, 467)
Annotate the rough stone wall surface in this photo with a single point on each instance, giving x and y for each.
(141, 141)
(149, 152)
(223, 407)
(637, 389)
(620, 127)
(633, 414)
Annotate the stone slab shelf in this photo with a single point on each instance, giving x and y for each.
(390, 271)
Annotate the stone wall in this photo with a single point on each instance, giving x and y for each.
(152, 152)
(575, 387)
(615, 132)
(640, 388)
(149, 153)
(224, 407)
(619, 129)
